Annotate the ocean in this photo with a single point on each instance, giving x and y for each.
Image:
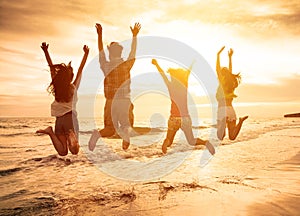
(35, 180)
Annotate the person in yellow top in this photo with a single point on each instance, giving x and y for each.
(228, 82)
(179, 114)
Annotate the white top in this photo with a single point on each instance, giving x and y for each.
(60, 108)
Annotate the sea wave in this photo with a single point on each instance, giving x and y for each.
(11, 171)
(17, 134)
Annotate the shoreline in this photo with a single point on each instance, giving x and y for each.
(259, 174)
(218, 189)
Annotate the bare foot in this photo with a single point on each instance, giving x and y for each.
(200, 141)
(221, 128)
(93, 140)
(48, 130)
(243, 118)
(125, 145)
(107, 132)
(73, 142)
(210, 148)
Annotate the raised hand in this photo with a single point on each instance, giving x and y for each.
(221, 50)
(135, 30)
(230, 52)
(98, 28)
(154, 61)
(44, 46)
(86, 49)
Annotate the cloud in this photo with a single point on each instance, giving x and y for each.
(262, 18)
(36, 16)
(68, 25)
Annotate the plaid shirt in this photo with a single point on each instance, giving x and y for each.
(117, 76)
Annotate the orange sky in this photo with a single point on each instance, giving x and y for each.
(264, 35)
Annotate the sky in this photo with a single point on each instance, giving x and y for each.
(263, 33)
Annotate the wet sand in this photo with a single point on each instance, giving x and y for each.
(259, 174)
(256, 177)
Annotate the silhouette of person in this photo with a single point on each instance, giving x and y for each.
(65, 135)
(228, 82)
(118, 109)
(179, 117)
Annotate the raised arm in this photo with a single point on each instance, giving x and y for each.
(44, 47)
(161, 71)
(80, 69)
(218, 67)
(102, 57)
(135, 30)
(230, 52)
(99, 32)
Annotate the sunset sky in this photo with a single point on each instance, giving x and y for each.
(265, 36)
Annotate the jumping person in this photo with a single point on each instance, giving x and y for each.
(228, 82)
(65, 135)
(118, 109)
(179, 117)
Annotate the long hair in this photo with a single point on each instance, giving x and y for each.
(180, 75)
(229, 81)
(61, 87)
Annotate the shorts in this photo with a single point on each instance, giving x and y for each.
(226, 112)
(65, 123)
(174, 123)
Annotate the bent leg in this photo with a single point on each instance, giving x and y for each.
(191, 139)
(186, 126)
(233, 129)
(221, 128)
(197, 141)
(200, 141)
(169, 140)
(131, 115)
(109, 129)
(126, 138)
(174, 124)
(73, 144)
(120, 111)
(59, 141)
(107, 132)
(188, 132)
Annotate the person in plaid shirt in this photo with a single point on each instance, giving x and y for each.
(118, 109)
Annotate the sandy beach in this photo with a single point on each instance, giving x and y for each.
(247, 178)
(193, 65)
(258, 174)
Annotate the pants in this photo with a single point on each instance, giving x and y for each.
(108, 123)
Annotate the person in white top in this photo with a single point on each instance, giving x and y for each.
(65, 135)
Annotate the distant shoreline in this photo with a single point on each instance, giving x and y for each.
(292, 115)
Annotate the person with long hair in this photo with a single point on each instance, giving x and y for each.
(179, 117)
(65, 135)
(226, 115)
